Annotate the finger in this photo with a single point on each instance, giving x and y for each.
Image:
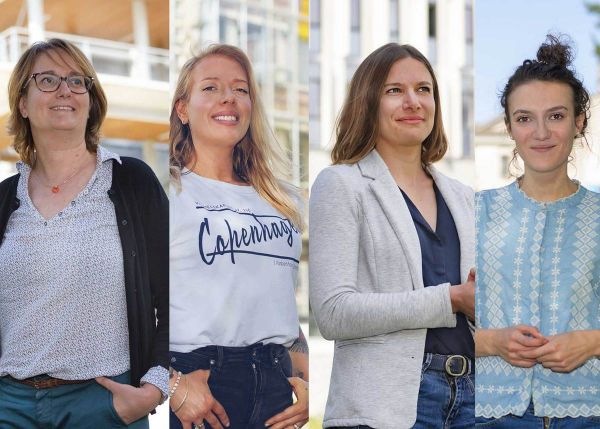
(287, 423)
(530, 330)
(186, 425)
(211, 418)
(543, 352)
(109, 384)
(528, 341)
(471, 276)
(286, 414)
(220, 412)
(523, 363)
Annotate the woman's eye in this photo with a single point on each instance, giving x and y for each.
(242, 90)
(394, 91)
(522, 119)
(424, 89)
(209, 88)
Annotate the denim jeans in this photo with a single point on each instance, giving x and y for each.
(530, 421)
(250, 382)
(84, 405)
(445, 401)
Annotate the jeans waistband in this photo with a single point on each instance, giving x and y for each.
(218, 356)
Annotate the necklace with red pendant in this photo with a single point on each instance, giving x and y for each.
(55, 189)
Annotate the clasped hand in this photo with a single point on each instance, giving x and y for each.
(525, 346)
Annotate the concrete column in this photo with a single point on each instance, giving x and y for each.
(413, 24)
(35, 20)
(141, 37)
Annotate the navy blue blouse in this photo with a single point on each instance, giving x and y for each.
(440, 255)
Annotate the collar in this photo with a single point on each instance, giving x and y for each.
(102, 155)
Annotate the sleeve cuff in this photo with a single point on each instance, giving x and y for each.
(158, 377)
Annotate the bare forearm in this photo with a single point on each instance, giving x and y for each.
(485, 343)
(299, 355)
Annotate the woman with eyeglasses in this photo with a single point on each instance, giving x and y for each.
(83, 259)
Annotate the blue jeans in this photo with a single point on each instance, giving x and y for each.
(445, 401)
(530, 421)
(84, 405)
(250, 382)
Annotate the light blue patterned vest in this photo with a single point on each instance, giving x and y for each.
(538, 264)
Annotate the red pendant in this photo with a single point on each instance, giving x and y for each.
(55, 189)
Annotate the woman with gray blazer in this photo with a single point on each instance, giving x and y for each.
(389, 235)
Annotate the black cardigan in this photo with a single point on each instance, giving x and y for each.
(142, 210)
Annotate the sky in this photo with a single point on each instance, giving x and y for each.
(509, 31)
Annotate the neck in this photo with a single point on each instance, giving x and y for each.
(56, 161)
(215, 163)
(404, 163)
(547, 186)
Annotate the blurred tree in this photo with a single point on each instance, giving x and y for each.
(594, 8)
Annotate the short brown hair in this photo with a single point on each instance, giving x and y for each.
(357, 127)
(19, 127)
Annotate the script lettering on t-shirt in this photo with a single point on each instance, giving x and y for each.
(246, 239)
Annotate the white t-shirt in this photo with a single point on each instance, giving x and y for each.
(233, 267)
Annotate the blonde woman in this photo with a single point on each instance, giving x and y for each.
(235, 248)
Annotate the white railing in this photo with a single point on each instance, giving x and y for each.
(107, 56)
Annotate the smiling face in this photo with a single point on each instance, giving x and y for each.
(218, 108)
(62, 110)
(543, 124)
(407, 106)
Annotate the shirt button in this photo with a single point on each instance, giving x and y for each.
(59, 213)
(133, 253)
(124, 222)
(73, 203)
(45, 223)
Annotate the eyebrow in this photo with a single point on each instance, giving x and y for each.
(216, 78)
(552, 109)
(71, 73)
(423, 82)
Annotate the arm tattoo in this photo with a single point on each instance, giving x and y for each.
(300, 345)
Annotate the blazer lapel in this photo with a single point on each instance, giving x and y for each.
(396, 211)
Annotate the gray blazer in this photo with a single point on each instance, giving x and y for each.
(367, 292)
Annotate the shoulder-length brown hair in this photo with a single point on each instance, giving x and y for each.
(19, 127)
(357, 128)
(257, 158)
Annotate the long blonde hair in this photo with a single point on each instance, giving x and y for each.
(257, 159)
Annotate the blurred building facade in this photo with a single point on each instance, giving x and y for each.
(127, 42)
(441, 29)
(274, 34)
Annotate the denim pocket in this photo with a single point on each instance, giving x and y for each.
(283, 364)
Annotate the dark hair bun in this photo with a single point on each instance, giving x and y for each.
(555, 52)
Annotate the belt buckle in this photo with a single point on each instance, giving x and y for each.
(448, 365)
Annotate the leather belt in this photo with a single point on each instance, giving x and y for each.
(454, 365)
(46, 382)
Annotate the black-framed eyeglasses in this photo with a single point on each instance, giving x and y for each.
(49, 82)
